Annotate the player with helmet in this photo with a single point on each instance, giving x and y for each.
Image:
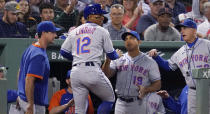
(195, 54)
(138, 78)
(85, 45)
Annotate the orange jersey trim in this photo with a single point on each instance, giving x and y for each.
(55, 99)
(36, 45)
(34, 75)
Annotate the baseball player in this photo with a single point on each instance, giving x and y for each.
(35, 70)
(85, 46)
(195, 54)
(137, 76)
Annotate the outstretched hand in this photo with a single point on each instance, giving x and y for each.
(119, 52)
(164, 94)
(153, 53)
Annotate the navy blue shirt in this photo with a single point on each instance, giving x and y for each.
(16, 30)
(179, 8)
(35, 63)
(178, 106)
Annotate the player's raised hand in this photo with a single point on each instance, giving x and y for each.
(119, 52)
(153, 53)
(164, 94)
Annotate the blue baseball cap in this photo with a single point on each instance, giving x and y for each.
(187, 23)
(46, 26)
(93, 9)
(133, 33)
(68, 74)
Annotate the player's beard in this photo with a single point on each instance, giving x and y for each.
(131, 48)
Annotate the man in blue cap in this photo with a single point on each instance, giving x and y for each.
(195, 54)
(35, 70)
(138, 77)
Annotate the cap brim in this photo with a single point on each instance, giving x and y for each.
(57, 29)
(104, 12)
(105, 20)
(178, 27)
(126, 34)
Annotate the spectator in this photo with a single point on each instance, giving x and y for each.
(2, 3)
(132, 13)
(176, 7)
(62, 100)
(178, 106)
(46, 14)
(34, 4)
(35, 70)
(197, 13)
(162, 31)
(204, 28)
(9, 26)
(80, 20)
(145, 6)
(115, 27)
(151, 18)
(24, 14)
(65, 14)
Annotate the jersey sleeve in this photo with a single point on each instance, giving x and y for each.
(154, 73)
(172, 104)
(172, 61)
(108, 46)
(36, 67)
(67, 45)
(55, 101)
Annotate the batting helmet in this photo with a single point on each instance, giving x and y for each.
(93, 9)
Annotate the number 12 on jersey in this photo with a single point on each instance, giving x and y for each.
(81, 44)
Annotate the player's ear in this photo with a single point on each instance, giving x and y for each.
(67, 81)
(139, 42)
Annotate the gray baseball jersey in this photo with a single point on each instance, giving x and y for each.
(87, 43)
(187, 59)
(141, 70)
(131, 72)
(154, 104)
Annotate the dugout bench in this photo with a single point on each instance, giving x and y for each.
(11, 51)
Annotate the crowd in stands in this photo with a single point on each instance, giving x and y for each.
(153, 20)
(19, 18)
